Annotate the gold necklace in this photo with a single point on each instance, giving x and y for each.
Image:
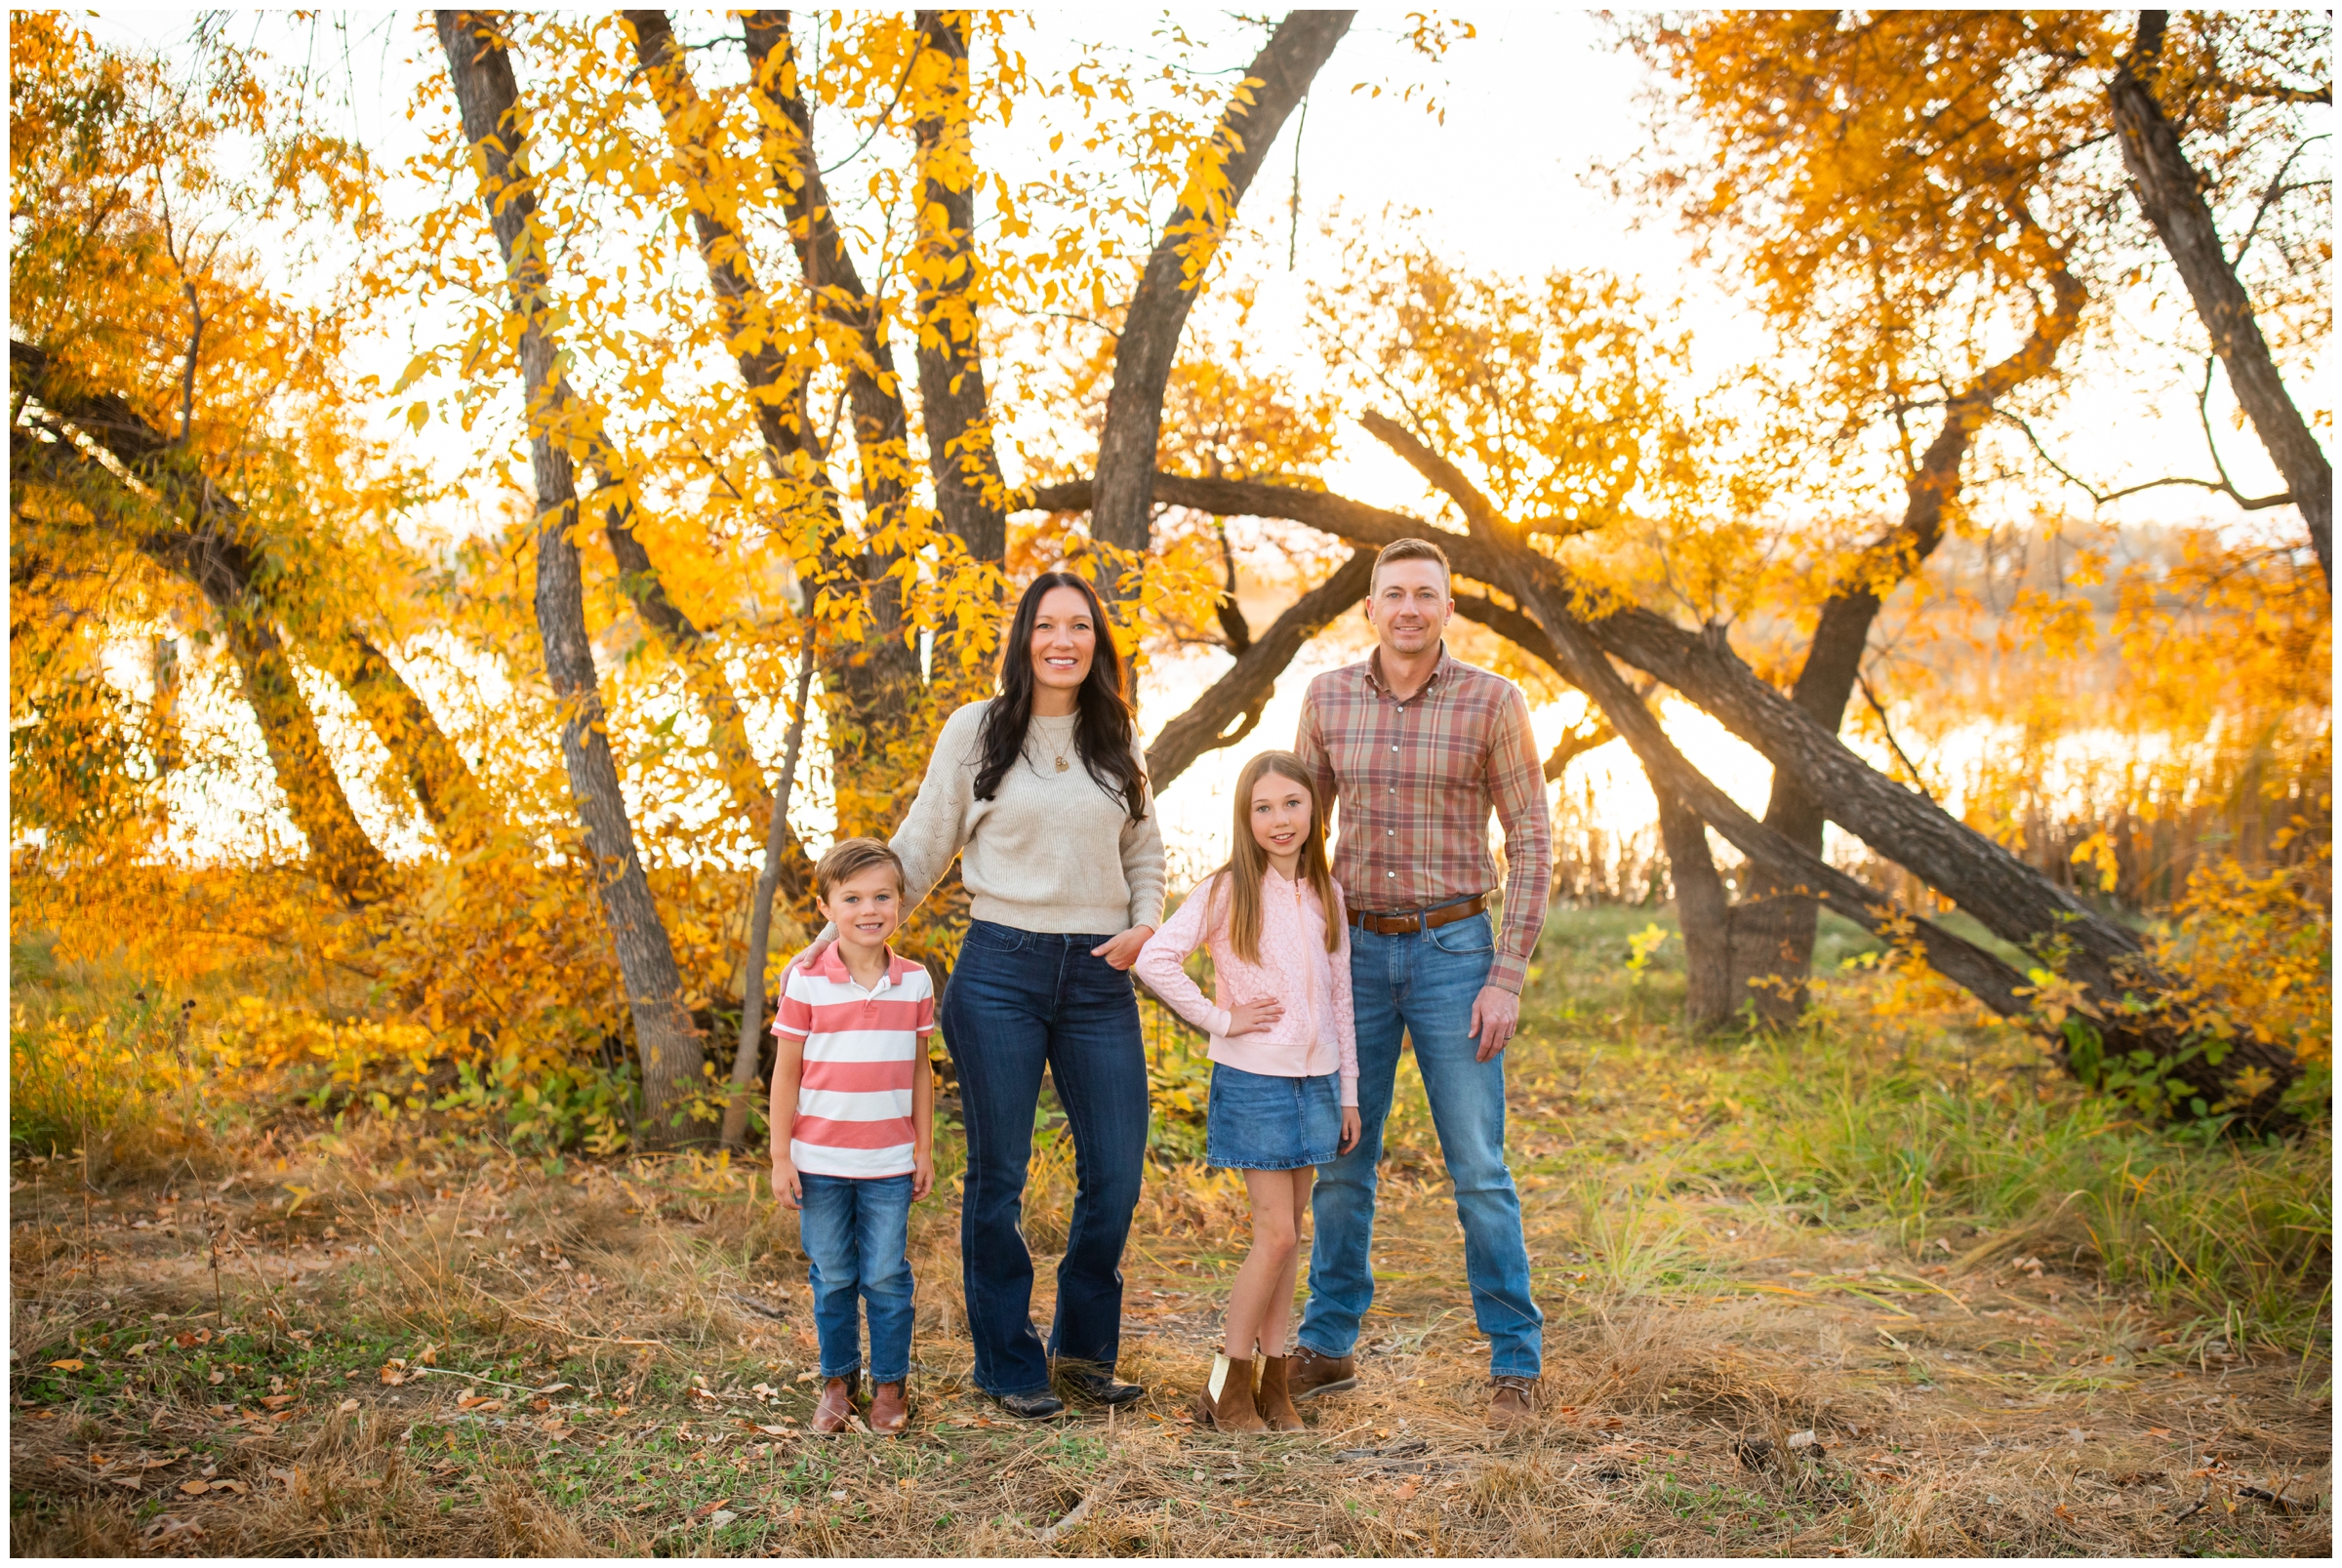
(1062, 765)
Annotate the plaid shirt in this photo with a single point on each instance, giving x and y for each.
(1415, 782)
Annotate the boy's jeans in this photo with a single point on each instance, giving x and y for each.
(1422, 985)
(856, 1229)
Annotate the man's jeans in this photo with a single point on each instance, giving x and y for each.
(1020, 999)
(1423, 985)
(856, 1229)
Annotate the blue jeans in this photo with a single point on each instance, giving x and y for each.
(1422, 985)
(857, 1230)
(1020, 1000)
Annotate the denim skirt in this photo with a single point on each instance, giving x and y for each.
(1255, 1122)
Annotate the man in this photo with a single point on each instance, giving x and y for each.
(1417, 747)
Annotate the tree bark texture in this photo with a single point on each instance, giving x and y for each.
(1228, 710)
(1704, 912)
(668, 1045)
(2170, 193)
(1770, 948)
(1159, 311)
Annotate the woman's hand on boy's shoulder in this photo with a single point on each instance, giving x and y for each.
(803, 962)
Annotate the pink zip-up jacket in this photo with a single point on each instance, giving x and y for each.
(1319, 1033)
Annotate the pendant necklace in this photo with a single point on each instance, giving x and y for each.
(1062, 764)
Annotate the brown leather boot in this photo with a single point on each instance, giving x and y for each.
(889, 1415)
(1271, 1400)
(1511, 1402)
(835, 1410)
(1312, 1374)
(1231, 1410)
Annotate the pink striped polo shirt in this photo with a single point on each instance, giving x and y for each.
(862, 1049)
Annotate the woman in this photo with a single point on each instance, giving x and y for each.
(1043, 791)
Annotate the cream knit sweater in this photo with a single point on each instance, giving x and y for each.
(1049, 852)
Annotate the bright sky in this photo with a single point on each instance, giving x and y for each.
(1533, 105)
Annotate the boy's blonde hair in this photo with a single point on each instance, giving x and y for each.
(849, 858)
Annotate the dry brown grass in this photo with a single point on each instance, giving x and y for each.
(1690, 1336)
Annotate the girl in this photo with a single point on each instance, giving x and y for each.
(1281, 1033)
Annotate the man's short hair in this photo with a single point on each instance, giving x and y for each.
(848, 859)
(1410, 550)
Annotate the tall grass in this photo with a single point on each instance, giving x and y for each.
(123, 1086)
(2233, 1231)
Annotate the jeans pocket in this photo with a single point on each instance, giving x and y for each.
(1464, 938)
(985, 936)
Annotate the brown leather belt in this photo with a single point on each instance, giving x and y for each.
(1400, 925)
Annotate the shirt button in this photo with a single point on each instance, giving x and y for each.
(1390, 873)
(1394, 748)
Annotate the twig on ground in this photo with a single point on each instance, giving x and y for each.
(1079, 1511)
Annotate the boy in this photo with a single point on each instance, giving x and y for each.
(853, 1109)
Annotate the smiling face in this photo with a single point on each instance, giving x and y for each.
(1064, 639)
(867, 906)
(1411, 606)
(1280, 814)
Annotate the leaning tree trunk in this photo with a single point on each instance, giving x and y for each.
(481, 70)
(2171, 194)
(1283, 69)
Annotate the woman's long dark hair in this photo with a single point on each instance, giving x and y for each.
(1105, 733)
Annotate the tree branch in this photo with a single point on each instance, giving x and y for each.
(2170, 193)
(1277, 79)
(1242, 691)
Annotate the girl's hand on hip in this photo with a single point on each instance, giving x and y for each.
(1122, 951)
(1248, 1018)
(1349, 1130)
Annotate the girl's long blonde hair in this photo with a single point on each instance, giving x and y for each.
(1247, 863)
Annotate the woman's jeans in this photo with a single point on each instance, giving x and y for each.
(856, 1229)
(1422, 985)
(1019, 1000)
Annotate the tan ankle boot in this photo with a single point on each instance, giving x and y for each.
(1226, 1401)
(1271, 1400)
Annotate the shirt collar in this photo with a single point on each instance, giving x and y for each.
(1381, 688)
(833, 967)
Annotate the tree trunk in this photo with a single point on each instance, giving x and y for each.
(664, 1037)
(2170, 194)
(1702, 909)
(748, 1052)
(1285, 66)
(875, 721)
(969, 491)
